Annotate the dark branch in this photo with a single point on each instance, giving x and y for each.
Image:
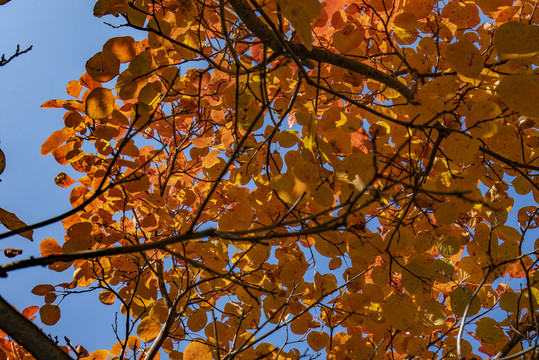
(18, 52)
(27, 334)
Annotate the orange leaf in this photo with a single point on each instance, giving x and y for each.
(49, 246)
(63, 180)
(103, 66)
(124, 48)
(197, 351)
(74, 88)
(56, 139)
(30, 311)
(107, 297)
(148, 329)
(12, 222)
(98, 355)
(52, 104)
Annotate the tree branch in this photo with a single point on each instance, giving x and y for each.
(317, 54)
(18, 52)
(28, 335)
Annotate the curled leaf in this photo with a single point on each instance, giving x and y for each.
(11, 253)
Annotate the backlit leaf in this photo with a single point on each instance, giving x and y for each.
(148, 329)
(460, 299)
(317, 340)
(197, 351)
(123, 48)
(516, 40)
(49, 247)
(98, 355)
(100, 103)
(465, 57)
(197, 321)
(103, 66)
(107, 297)
(56, 139)
(12, 222)
(432, 313)
(514, 91)
(488, 330)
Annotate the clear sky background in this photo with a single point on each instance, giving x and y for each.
(64, 34)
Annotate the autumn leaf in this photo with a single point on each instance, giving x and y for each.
(10, 252)
(148, 329)
(197, 351)
(100, 103)
(49, 314)
(301, 14)
(12, 222)
(2, 161)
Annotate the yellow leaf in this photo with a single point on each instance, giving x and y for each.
(141, 64)
(301, 13)
(448, 245)
(49, 314)
(399, 311)
(447, 212)
(12, 222)
(516, 40)
(489, 331)
(492, 7)
(509, 301)
(515, 91)
(522, 185)
(197, 351)
(459, 299)
(148, 329)
(485, 119)
(52, 104)
(470, 270)
(465, 58)
(461, 149)
(107, 297)
(405, 28)
(431, 313)
(100, 103)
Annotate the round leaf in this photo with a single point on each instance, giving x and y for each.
(49, 314)
(99, 103)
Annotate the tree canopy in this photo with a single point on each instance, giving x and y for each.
(272, 179)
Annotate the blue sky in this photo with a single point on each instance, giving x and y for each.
(64, 34)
